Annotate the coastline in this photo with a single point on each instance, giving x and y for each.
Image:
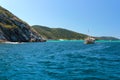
(82, 41)
(97, 41)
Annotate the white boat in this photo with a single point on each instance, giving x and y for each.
(89, 40)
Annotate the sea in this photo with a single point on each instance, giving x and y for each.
(60, 60)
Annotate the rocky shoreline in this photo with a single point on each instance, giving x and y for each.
(13, 29)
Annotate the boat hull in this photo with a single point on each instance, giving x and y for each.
(89, 42)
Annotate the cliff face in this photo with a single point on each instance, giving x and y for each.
(15, 30)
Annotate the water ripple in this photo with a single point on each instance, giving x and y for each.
(60, 61)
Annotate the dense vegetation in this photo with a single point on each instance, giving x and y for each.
(58, 33)
(106, 38)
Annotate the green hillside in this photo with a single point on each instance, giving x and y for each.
(58, 33)
(106, 38)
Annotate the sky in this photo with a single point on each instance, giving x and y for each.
(100, 17)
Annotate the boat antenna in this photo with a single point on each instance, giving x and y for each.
(88, 33)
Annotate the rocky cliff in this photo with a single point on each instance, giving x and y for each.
(15, 30)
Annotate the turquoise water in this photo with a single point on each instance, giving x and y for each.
(66, 60)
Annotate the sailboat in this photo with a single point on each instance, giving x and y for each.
(89, 40)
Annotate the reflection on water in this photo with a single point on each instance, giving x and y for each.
(60, 61)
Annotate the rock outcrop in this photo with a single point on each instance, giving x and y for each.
(15, 30)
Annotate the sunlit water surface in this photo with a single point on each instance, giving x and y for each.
(67, 60)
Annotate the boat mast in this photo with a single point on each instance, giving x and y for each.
(89, 34)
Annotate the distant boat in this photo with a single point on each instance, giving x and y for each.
(89, 40)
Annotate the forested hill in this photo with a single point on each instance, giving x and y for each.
(58, 33)
(107, 38)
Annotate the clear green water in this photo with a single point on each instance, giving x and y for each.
(65, 60)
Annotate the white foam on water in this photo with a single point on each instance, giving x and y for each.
(12, 42)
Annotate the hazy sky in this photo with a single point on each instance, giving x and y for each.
(101, 17)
